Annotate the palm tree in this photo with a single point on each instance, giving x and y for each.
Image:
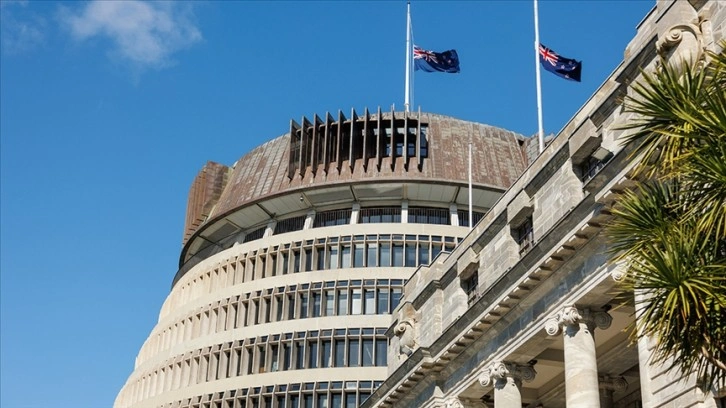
(670, 230)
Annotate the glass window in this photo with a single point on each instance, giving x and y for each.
(410, 254)
(353, 352)
(339, 353)
(333, 261)
(423, 253)
(308, 259)
(370, 301)
(303, 305)
(356, 302)
(286, 357)
(322, 401)
(367, 352)
(261, 359)
(329, 302)
(397, 254)
(383, 301)
(296, 261)
(320, 254)
(294, 401)
(308, 398)
(372, 255)
(325, 354)
(278, 308)
(395, 298)
(285, 263)
(316, 304)
(385, 254)
(345, 256)
(313, 355)
(273, 358)
(342, 302)
(358, 255)
(336, 400)
(435, 250)
(299, 355)
(290, 307)
(381, 351)
(350, 400)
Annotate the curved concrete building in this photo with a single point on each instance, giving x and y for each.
(295, 257)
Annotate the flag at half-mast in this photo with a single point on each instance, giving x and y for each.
(563, 67)
(430, 61)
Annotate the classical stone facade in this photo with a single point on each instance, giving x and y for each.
(523, 312)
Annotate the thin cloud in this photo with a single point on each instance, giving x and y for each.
(145, 34)
(22, 30)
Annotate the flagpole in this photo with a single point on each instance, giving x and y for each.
(539, 81)
(471, 218)
(407, 102)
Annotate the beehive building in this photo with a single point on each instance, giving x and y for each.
(295, 256)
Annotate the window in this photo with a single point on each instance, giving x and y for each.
(274, 351)
(342, 302)
(358, 255)
(370, 302)
(524, 235)
(320, 255)
(410, 254)
(383, 301)
(395, 297)
(285, 263)
(385, 254)
(308, 259)
(296, 261)
(353, 353)
(313, 355)
(470, 286)
(333, 261)
(345, 256)
(367, 352)
(381, 353)
(303, 305)
(372, 255)
(397, 254)
(316, 304)
(340, 353)
(356, 302)
(325, 351)
(299, 355)
(329, 302)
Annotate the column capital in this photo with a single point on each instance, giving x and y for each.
(609, 383)
(500, 370)
(571, 315)
(453, 402)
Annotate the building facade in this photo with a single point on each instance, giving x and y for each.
(294, 258)
(526, 311)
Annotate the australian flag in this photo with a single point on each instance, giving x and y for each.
(559, 65)
(430, 61)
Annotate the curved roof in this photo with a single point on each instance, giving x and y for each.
(291, 174)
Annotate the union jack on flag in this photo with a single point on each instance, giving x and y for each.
(563, 67)
(431, 61)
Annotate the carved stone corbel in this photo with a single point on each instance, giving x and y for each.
(406, 337)
(499, 370)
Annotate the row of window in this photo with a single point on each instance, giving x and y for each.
(307, 300)
(351, 347)
(334, 394)
(371, 250)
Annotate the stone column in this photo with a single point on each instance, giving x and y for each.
(507, 380)
(608, 386)
(581, 379)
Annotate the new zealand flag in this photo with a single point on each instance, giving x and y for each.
(558, 65)
(430, 61)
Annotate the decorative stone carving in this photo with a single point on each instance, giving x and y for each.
(499, 370)
(613, 383)
(570, 315)
(406, 337)
(453, 402)
(681, 44)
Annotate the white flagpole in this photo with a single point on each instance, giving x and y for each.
(407, 102)
(471, 218)
(539, 82)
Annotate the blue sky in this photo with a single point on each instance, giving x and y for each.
(109, 109)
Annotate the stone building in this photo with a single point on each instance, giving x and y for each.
(294, 258)
(522, 313)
